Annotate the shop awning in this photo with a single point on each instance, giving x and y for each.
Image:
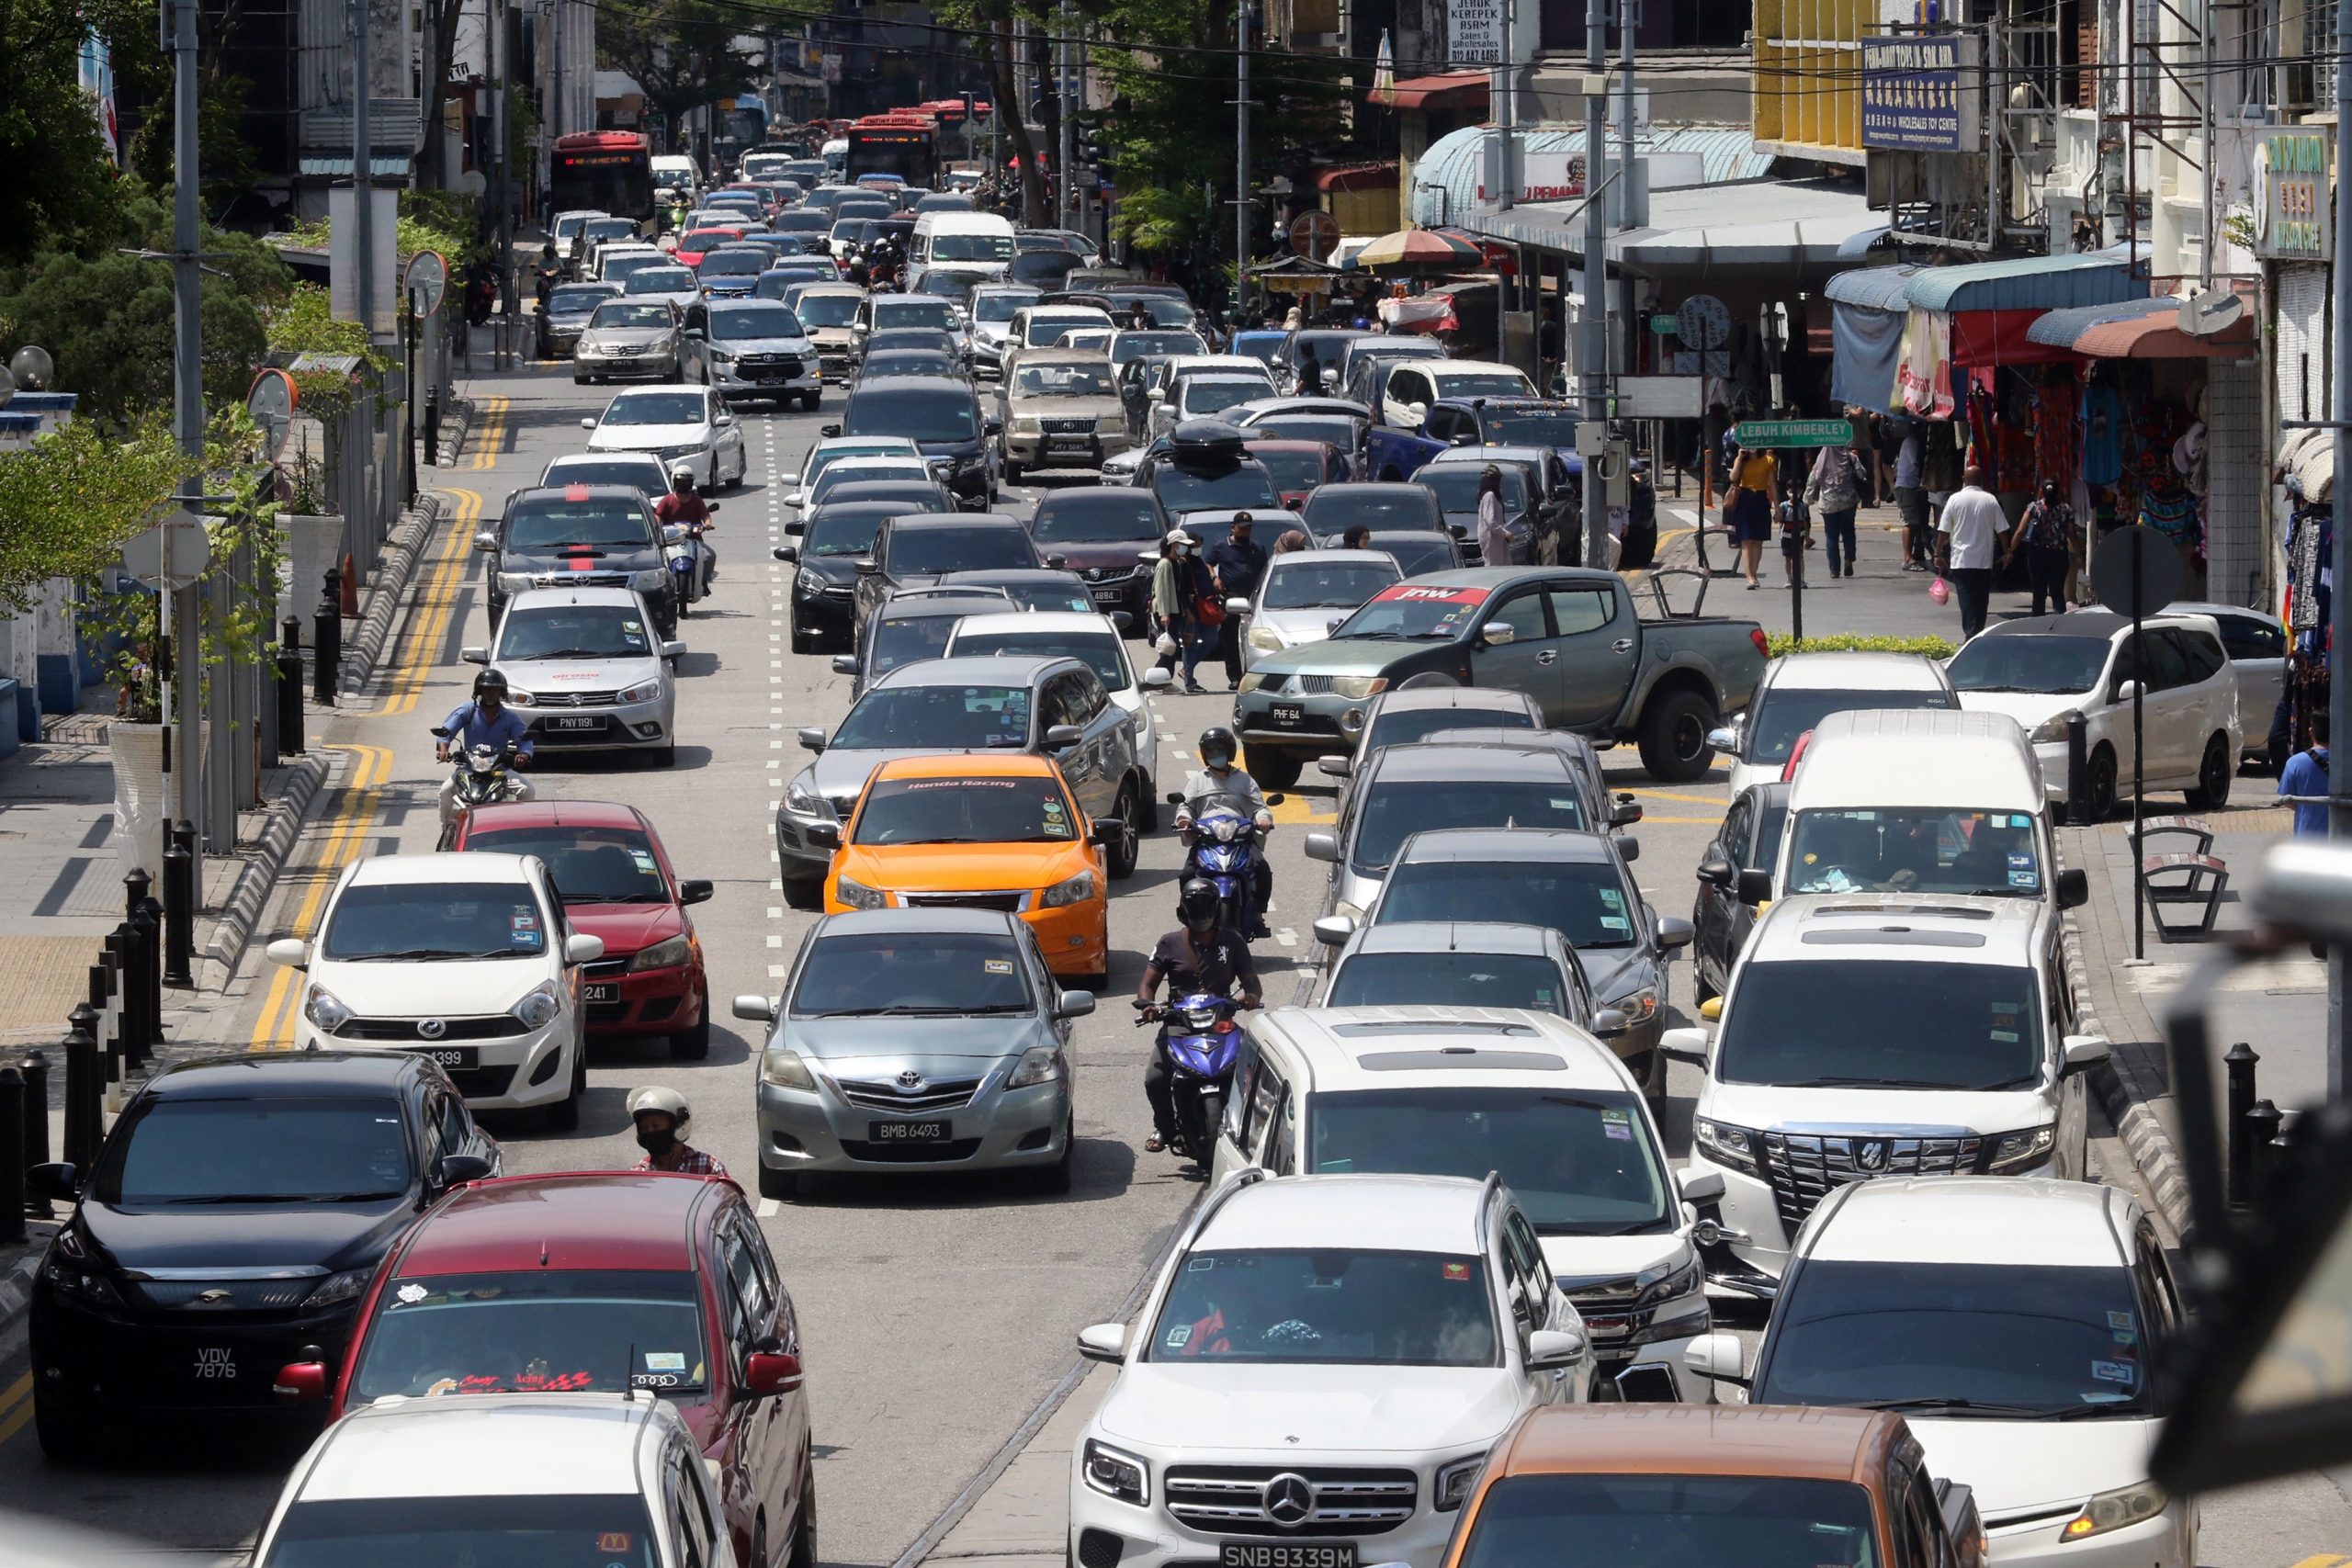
(1874, 287)
(2142, 329)
(1758, 226)
(1451, 90)
(2025, 283)
(1357, 176)
(1448, 174)
(1868, 307)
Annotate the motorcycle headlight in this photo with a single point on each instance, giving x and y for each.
(1724, 1144)
(802, 799)
(643, 691)
(1252, 681)
(339, 1288)
(2052, 728)
(1452, 1487)
(661, 955)
(1639, 1007)
(784, 1069)
(1355, 688)
(1039, 1064)
(653, 576)
(1265, 639)
(1224, 827)
(809, 584)
(2114, 1510)
(1116, 1475)
(2028, 1147)
(1068, 890)
(540, 1006)
(858, 896)
(323, 1009)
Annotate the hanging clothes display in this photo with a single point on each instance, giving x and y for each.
(1923, 375)
(2102, 417)
(2054, 430)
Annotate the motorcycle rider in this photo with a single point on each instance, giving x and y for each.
(1217, 776)
(1199, 956)
(484, 721)
(549, 273)
(685, 505)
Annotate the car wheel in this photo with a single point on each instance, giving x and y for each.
(810, 401)
(781, 1185)
(1120, 854)
(2212, 791)
(1275, 770)
(803, 639)
(694, 1045)
(2098, 788)
(666, 757)
(564, 1116)
(804, 892)
(803, 1528)
(578, 380)
(64, 1439)
(1673, 736)
(1054, 1180)
(1012, 472)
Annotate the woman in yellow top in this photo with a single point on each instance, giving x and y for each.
(1755, 479)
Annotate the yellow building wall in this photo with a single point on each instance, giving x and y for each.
(1808, 92)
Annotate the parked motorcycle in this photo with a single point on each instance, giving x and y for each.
(1203, 1043)
(1224, 846)
(479, 775)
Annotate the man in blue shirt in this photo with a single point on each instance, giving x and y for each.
(484, 721)
(1237, 564)
(2306, 774)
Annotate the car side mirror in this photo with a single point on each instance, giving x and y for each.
(1624, 812)
(1123, 622)
(1107, 829)
(828, 431)
(767, 1372)
(1275, 797)
(788, 479)
(291, 952)
(1104, 1342)
(1707, 1187)
(812, 738)
(582, 948)
(992, 426)
(1719, 1357)
(1499, 634)
(2074, 889)
(844, 664)
(486, 540)
(303, 1381)
(587, 424)
(1336, 767)
(1608, 1021)
(867, 566)
(1237, 607)
(1723, 737)
(1716, 870)
(755, 1008)
(1629, 848)
(2125, 692)
(60, 1180)
(456, 1170)
(1155, 394)
(1322, 846)
(474, 655)
(1549, 1347)
(2084, 1050)
(1755, 887)
(1062, 737)
(1684, 1045)
(823, 835)
(696, 890)
(1074, 1004)
(673, 648)
(1674, 932)
(1418, 412)
(1333, 930)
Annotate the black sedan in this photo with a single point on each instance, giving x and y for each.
(1748, 839)
(229, 1229)
(832, 540)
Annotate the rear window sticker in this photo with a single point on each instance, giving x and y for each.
(2112, 1371)
(665, 1361)
(644, 858)
(1614, 922)
(2119, 1320)
(2019, 861)
(1560, 805)
(632, 627)
(523, 920)
(1612, 898)
(1334, 1166)
(1619, 1130)
(1199, 1265)
(1457, 1271)
(997, 965)
(2005, 1036)
(612, 1541)
(2124, 1336)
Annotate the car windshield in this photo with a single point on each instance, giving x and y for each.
(2003, 1341)
(1450, 979)
(836, 474)
(1065, 381)
(1130, 345)
(953, 548)
(424, 921)
(1416, 554)
(1825, 1023)
(641, 473)
(901, 639)
(1333, 430)
(658, 407)
(513, 1529)
(1772, 820)
(1335, 508)
(1482, 384)
(1580, 1163)
(971, 247)
(573, 631)
(753, 322)
(1530, 427)
(1395, 809)
(800, 220)
(710, 239)
(1112, 514)
(1673, 1521)
(1996, 854)
(568, 225)
(619, 269)
(1455, 485)
(1783, 716)
(589, 865)
(945, 718)
(1162, 310)
(1222, 488)
(170, 1150)
(2029, 662)
(559, 1330)
(1587, 902)
(1313, 585)
(598, 521)
(733, 264)
(914, 310)
(1330, 1305)
(827, 310)
(1100, 649)
(1402, 727)
(615, 313)
(982, 810)
(1290, 467)
(999, 305)
(578, 299)
(921, 413)
(1044, 332)
(660, 280)
(1410, 614)
(864, 973)
(841, 531)
(1208, 394)
(607, 229)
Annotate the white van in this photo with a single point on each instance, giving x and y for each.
(1919, 801)
(968, 242)
(676, 171)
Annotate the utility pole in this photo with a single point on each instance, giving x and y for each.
(1595, 325)
(1502, 90)
(503, 62)
(2339, 685)
(1242, 163)
(363, 166)
(1065, 154)
(183, 746)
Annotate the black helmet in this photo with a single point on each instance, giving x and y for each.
(1197, 903)
(1218, 747)
(489, 684)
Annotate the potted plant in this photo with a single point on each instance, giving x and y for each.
(135, 737)
(311, 535)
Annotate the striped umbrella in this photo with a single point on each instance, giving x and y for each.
(1419, 247)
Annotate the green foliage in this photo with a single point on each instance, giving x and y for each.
(69, 500)
(304, 324)
(683, 53)
(429, 221)
(1855, 642)
(61, 190)
(1161, 218)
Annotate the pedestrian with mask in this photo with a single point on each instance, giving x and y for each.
(2045, 534)
(661, 1117)
(1967, 535)
(1911, 495)
(1237, 564)
(1178, 583)
(1494, 533)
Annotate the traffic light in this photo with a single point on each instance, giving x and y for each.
(1092, 138)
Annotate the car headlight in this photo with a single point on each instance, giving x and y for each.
(1039, 1064)
(1252, 681)
(1068, 890)
(1724, 1144)
(643, 691)
(1265, 639)
(722, 356)
(518, 698)
(1355, 688)
(540, 1006)
(661, 955)
(802, 799)
(784, 1069)
(1673, 1281)
(858, 896)
(808, 584)
(514, 581)
(1116, 1475)
(651, 577)
(2052, 728)
(324, 1010)
(339, 1288)
(2028, 1147)
(1452, 1487)
(2114, 1510)
(72, 1269)
(1639, 1007)
(1025, 427)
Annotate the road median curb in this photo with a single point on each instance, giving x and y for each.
(233, 933)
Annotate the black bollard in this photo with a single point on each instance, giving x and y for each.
(12, 1155)
(326, 641)
(433, 430)
(82, 1118)
(117, 964)
(136, 885)
(179, 907)
(102, 983)
(2239, 1064)
(35, 1127)
(153, 910)
(2262, 1129)
(289, 688)
(138, 991)
(2078, 768)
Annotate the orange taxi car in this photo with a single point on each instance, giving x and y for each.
(981, 831)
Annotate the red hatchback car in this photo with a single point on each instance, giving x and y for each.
(605, 1280)
(616, 883)
(1299, 468)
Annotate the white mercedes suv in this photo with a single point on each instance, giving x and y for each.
(1317, 1375)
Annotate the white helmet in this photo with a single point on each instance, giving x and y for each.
(681, 471)
(654, 1096)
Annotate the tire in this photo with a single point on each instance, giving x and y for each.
(694, 1045)
(579, 380)
(1275, 770)
(759, 1558)
(1673, 736)
(1054, 1180)
(803, 1553)
(2212, 791)
(1012, 472)
(1120, 855)
(666, 757)
(781, 1185)
(2098, 795)
(803, 641)
(564, 1116)
(64, 1440)
(1649, 1071)
(804, 892)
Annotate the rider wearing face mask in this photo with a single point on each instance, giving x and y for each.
(1197, 956)
(1218, 774)
(661, 1117)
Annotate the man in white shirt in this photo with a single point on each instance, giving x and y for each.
(1967, 537)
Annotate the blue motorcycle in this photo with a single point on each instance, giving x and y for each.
(1202, 1041)
(1225, 849)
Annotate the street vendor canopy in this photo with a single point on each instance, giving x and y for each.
(2142, 329)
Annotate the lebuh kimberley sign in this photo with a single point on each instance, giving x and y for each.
(1761, 435)
(1919, 93)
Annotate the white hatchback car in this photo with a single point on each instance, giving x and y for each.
(2014, 1323)
(609, 1479)
(587, 671)
(692, 425)
(1318, 1371)
(464, 958)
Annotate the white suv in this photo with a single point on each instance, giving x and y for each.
(1317, 1375)
(464, 958)
(1873, 1034)
(1459, 1091)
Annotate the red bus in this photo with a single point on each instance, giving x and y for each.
(605, 171)
(903, 143)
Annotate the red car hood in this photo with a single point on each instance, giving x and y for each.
(1121, 553)
(689, 258)
(627, 928)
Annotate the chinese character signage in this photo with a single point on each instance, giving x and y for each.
(1919, 93)
(2293, 219)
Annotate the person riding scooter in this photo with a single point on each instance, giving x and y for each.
(685, 507)
(484, 721)
(1218, 775)
(1198, 958)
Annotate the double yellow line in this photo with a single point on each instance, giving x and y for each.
(347, 832)
(16, 1407)
(490, 436)
(436, 602)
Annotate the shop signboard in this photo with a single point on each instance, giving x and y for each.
(1474, 33)
(1758, 435)
(1920, 91)
(2292, 215)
